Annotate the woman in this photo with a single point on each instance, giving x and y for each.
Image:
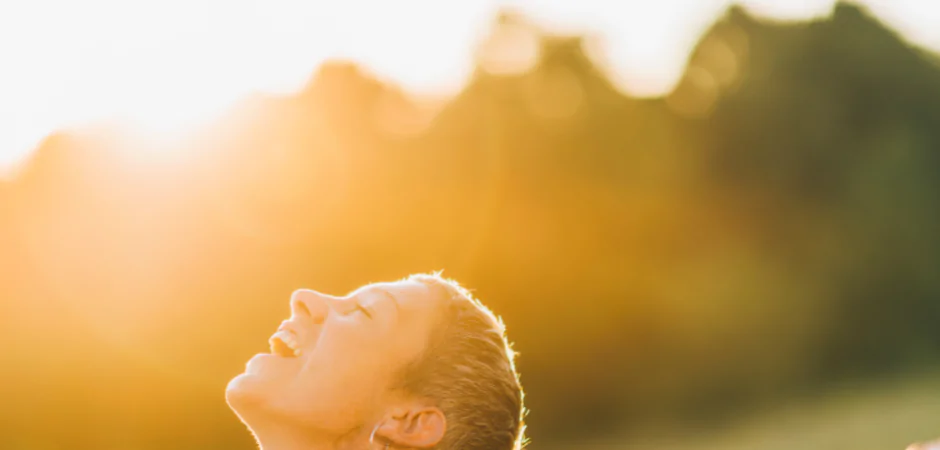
(413, 364)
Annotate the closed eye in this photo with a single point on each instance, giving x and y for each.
(364, 310)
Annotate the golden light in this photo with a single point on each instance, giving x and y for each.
(169, 66)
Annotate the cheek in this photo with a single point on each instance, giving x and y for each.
(341, 371)
(350, 370)
(336, 394)
(350, 365)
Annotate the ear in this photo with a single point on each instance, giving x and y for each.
(415, 427)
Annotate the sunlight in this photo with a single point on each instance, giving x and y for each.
(173, 117)
(169, 66)
(693, 216)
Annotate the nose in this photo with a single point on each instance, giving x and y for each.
(311, 304)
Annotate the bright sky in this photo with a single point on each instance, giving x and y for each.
(171, 63)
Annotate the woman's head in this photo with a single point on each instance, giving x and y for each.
(418, 361)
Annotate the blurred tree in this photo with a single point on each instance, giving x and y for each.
(767, 227)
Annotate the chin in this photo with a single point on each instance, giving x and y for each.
(249, 397)
(244, 390)
(264, 378)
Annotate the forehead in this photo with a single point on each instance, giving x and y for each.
(420, 309)
(411, 295)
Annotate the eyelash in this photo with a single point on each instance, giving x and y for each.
(364, 310)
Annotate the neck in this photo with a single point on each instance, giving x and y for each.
(288, 438)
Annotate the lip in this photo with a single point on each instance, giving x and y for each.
(287, 325)
(304, 337)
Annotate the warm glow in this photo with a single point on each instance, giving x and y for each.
(167, 66)
(704, 226)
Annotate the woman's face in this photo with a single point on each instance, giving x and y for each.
(348, 351)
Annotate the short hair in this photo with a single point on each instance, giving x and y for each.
(468, 370)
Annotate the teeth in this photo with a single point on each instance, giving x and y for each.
(285, 343)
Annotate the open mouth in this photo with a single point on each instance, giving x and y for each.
(284, 343)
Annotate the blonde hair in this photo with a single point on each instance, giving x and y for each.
(469, 371)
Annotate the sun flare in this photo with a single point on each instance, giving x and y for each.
(169, 66)
(172, 119)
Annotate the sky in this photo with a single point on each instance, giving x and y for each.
(171, 64)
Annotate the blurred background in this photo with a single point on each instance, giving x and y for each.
(707, 225)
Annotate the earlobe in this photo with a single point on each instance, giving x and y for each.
(421, 427)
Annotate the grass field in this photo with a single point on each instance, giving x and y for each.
(884, 416)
